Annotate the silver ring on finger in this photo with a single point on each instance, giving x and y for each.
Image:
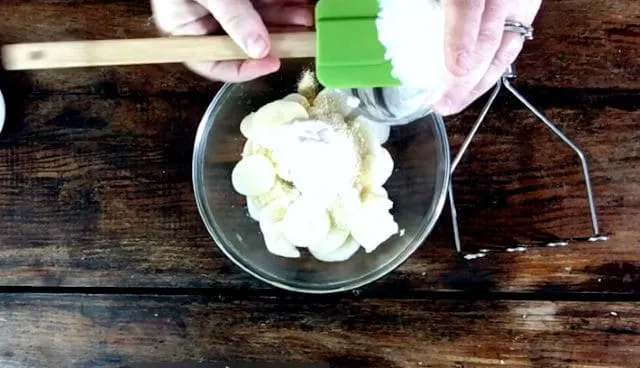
(519, 28)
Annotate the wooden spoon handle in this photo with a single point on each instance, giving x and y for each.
(52, 55)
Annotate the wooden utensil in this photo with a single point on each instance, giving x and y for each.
(53, 55)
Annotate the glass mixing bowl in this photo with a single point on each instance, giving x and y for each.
(417, 187)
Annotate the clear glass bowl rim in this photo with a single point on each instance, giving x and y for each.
(205, 126)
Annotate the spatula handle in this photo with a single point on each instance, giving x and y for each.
(52, 55)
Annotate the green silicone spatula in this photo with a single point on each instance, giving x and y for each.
(346, 48)
(349, 54)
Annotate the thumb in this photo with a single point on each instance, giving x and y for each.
(243, 24)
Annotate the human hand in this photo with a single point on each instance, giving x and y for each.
(246, 22)
(477, 48)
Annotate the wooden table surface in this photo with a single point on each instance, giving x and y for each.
(104, 261)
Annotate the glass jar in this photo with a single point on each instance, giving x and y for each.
(413, 36)
(396, 105)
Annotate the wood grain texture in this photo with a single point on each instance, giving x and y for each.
(120, 331)
(97, 192)
(96, 196)
(95, 185)
(578, 44)
(42, 21)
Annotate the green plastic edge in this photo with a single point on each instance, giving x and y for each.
(361, 64)
(346, 9)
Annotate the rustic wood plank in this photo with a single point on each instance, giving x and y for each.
(116, 331)
(80, 20)
(579, 44)
(585, 44)
(97, 192)
(96, 189)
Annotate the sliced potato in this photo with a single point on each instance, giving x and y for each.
(377, 167)
(278, 245)
(282, 164)
(377, 132)
(306, 223)
(343, 253)
(253, 208)
(331, 100)
(270, 117)
(373, 228)
(274, 212)
(376, 200)
(253, 148)
(334, 240)
(296, 97)
(253, 175)
(279, 112)
(270, 225)
(374, 224)
(249, 148)
(246, 126)
(346, 207)
(281, 190)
